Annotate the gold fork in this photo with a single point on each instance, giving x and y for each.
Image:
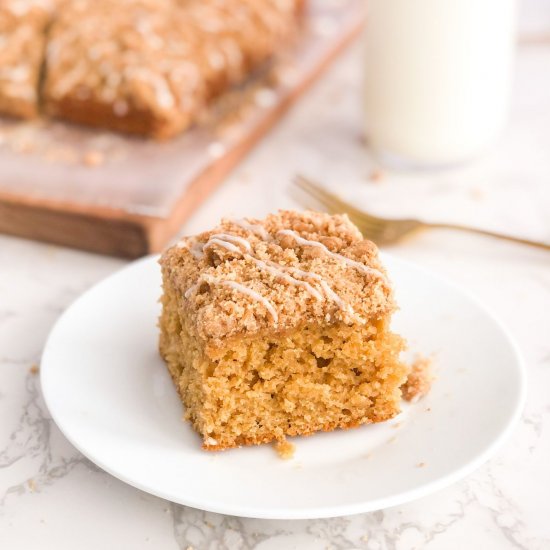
(385, 231)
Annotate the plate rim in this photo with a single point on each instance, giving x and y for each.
(322, 511)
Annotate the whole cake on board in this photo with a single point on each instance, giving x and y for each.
(145, 67)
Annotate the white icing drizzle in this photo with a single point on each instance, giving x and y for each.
(231, 238)
(224, 244)
(197, 250)
(226, 241)
(254, 228)
(329, 292)
(239, 288)
(348, 261)
(255, 295)
(230, 242)
(275, 270)
(324, 285)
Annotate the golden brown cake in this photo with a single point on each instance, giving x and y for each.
(22, 38)
(279, 327)
(149, 67)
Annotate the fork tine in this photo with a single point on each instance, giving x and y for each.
(372, 232)
(320, 198)
(335, 204)
(321, 194)
(309, 201)
(370, 226)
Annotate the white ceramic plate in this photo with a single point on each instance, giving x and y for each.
(110, 394)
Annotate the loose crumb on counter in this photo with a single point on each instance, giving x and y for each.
(34, 369)
(377, 175)
(477, 194)
(285, 449)
(419, 380)
(32, 485)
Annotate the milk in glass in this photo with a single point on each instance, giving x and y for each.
(437, 77)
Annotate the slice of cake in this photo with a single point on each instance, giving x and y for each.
(22, 39)
(279, 327)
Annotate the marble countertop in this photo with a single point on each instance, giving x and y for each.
(52, 497)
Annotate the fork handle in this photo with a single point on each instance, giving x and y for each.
(545, 246)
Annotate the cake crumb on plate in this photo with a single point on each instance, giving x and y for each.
(419, 380)
(285, 449)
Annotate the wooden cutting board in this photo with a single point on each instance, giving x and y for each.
(125, 196)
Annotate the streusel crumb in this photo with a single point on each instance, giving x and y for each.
(419, 379)
(285, 449)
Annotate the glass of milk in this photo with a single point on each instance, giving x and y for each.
(438, 78)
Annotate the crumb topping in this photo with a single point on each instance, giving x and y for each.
(291, 268)
(419, 381)
(22, 38)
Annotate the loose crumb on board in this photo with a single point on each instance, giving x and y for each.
(285, 449)
(93, 158)
(421, 465)
(419, 380)
(34, 369)
(32, 485)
